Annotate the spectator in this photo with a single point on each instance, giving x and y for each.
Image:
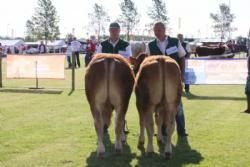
(42, 48)
(187, 48)
(91, 48)
(75, 46)
(68, 55)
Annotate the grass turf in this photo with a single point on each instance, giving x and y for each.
(52, 128)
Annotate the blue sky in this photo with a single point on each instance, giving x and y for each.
(193, 15)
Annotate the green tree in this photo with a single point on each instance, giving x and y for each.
(44, 22)
(129, 17)
(222, 21)
(99, 19)
(158, 11)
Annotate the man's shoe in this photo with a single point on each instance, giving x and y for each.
(183, 135)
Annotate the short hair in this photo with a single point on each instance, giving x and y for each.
(159, 23)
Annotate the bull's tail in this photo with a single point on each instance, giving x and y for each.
(164, 125)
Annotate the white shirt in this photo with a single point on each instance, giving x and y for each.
(188, 48)
(162, 46)
(68, 51)
(127, 53)
(75, 46)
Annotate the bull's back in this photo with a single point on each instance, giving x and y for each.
(108, 79)
(159, 81)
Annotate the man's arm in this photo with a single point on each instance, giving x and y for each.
(188, 49)
(181, 54)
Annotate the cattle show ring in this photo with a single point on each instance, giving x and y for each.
(46, 118)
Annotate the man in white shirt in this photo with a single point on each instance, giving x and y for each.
(75, 47)
(166, 45)
(114, 44)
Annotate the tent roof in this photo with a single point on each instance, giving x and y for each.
(57, 43)
(11, 42)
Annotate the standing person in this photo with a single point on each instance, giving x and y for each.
(248, 44)
(91, 48)
(247, 88)
(42, 48)
(75, 46)
(114, 44)
(68, 55)
(187, 48)
(166, 45)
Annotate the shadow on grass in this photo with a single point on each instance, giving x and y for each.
(31, 91)
(183, 155)
(191, 96)
(111, 158)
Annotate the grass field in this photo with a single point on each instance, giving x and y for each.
(55, 129)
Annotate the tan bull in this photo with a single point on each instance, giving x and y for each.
(158, 90)
(109, 83)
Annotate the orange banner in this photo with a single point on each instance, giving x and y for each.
(35, 66)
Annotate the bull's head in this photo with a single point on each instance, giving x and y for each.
(136, 61)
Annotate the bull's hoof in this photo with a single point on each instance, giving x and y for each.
(150, 154)
(140, 145)
(105, 129)
(118, 151)
(124, 142)
(247, 111)
(159, 142)
(168, 155)
(100, 155)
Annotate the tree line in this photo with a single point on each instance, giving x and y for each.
(44, 22)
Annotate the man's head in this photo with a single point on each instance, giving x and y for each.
(114, 30)
(41, 42)
(160, 30)
(180, 37)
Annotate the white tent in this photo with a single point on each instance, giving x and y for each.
(12, 44)
(57, 45)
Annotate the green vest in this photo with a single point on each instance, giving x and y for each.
(172, 42)
(107, 47)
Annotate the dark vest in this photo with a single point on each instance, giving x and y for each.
(107, 47)
(154, 49)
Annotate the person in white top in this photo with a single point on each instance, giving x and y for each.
(187, 48)
(75, 46)
(68, 54)
(114, 44)
(166, 45)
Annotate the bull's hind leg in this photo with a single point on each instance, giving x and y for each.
(149, 122)
(141, 139)
(107, 114)
(98, 121)
(170, 129)
(159, 122)
(119, 125)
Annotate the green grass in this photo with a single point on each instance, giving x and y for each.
(51, 128)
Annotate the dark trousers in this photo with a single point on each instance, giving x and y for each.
(77, 59)
(187, 87)
(180, 120)
(69, 61)
(88, 58)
